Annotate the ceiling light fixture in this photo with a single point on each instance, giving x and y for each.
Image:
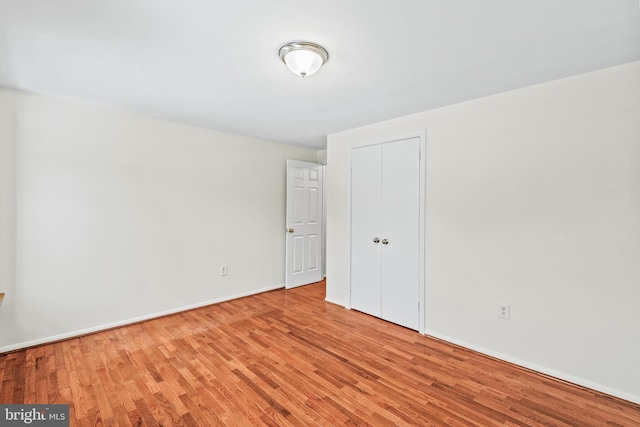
(303, 58)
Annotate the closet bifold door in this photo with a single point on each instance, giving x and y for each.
(385, 244)
(366, 209)
(400, 227)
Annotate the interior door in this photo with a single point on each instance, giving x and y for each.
(303, 223)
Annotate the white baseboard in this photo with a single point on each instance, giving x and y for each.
(112, 325)
(334, 302)
(538, 368)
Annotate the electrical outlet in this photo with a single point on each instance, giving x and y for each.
(504, 311)
(224, 270)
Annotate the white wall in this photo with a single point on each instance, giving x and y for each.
(533, 199)
(120, 217)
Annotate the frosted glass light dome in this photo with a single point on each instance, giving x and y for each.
(303, 58)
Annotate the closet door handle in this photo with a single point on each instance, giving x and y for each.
(385, 242)
(376, 240)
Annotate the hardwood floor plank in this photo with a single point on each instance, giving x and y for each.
(146, 414)
(288, 358)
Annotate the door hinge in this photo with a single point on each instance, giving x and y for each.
(418, 305)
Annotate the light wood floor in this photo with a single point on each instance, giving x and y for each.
(289, 358)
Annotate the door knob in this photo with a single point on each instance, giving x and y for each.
(376, 240)
(290, 230)
(385, 242)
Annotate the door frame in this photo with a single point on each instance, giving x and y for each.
(422, 136)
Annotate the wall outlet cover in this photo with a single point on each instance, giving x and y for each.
(504, 311)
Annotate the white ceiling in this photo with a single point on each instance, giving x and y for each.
(214, 63)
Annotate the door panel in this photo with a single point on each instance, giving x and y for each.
(298, 205)
(313, 258)
(304, 218)
(298, 254)
(314, 203)
(401, 228)
(366, 198)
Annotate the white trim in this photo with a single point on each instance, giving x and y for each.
(107, 326)
(324, 221)
(423, 236)
(348, 226)
(538, 368)
(422, 136)
(336, 302)
(418, 134)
